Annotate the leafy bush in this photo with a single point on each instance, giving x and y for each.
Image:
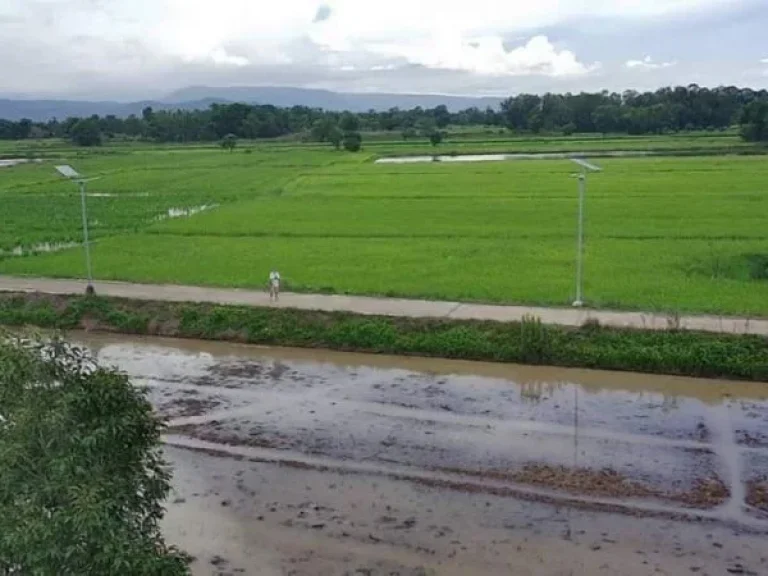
(229, 142)
(82, 481)
(353, 141)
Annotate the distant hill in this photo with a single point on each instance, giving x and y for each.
(354, 102)
(199, 97)
(42, 110)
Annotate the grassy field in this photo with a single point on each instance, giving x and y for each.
(677, 234)
(459, 142)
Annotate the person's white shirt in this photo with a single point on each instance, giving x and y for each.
(274, 278)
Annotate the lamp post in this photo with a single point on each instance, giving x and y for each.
(71, 174)
(582, 178)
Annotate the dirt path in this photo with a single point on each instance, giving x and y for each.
(392, 306)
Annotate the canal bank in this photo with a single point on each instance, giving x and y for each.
(592, 345)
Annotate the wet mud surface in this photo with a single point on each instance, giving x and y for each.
(475, 447)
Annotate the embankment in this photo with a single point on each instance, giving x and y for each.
(674, 352)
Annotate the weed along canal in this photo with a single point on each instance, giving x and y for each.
(315, 462)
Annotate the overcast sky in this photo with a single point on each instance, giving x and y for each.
(135, 49)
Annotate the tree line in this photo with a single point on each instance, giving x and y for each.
(683, 108)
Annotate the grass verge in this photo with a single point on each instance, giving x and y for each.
(529, 342)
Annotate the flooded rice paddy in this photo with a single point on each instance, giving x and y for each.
(506, 157)
(11, 162)
(315, 462)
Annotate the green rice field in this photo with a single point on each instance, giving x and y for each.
(681, 234)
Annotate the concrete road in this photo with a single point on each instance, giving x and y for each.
(392, 306)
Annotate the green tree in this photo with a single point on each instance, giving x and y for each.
(569, 129)
(436, 137)
(229, 142)
(409, 133)
(322, 129)
(86, 132)
(24, 128)
(353, 142)
(83, 481)
(442, 116)
(754, 122)
(336, 137)
(349, 122)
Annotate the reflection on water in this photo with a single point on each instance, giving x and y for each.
(536, 391)
(639, 386)
(678, 440)
(503, 157)
(186, 212)
(11, 162)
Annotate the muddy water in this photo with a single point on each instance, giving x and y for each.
(314, 462)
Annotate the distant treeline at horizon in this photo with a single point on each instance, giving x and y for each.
(666, 110)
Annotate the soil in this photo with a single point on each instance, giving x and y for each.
(608, 483)
(757, 494)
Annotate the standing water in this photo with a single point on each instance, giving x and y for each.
(288, 454)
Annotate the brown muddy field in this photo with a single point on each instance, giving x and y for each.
(315, 463)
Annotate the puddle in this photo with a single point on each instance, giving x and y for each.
(41, 248)
(185, 212)
(11, 162)
(505, 157)
(664, 443)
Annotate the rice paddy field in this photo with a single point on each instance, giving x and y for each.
(681, 234)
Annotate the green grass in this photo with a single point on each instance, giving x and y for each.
(458, 140)
(530, 342)
(679, 234)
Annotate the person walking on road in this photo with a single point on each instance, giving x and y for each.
(274, 286)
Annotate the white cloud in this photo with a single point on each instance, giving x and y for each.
(764, 61)
(221, 56)
(485, 55)
(199, 29)
(42, 41)
(647, 63)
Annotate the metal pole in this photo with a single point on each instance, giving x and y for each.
(89, 288)
(580, 243)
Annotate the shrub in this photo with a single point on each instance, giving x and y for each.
(353, 142)
(82, 481)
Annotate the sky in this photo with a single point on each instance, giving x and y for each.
(141, 49)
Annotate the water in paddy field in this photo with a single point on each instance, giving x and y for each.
(44, 247)
(11, 162)
(315, 462)
(186, 212)
(517, 156)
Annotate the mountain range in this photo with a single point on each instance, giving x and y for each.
(198, 97)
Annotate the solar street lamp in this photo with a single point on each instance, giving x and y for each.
(582, 177)
(71, 174)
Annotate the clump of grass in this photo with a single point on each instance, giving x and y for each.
(534, 341)
(663, 352)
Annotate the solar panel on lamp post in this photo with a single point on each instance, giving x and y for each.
(585, 167)
(71, 174)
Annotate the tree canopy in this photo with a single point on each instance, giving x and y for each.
(754, 122)
(83, 481)
(681, 108)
